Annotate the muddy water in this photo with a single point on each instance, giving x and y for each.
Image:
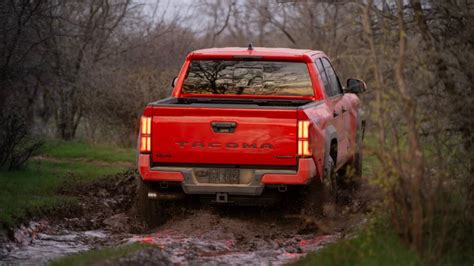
(181, 249)
(201, 237)
(243, 238)
(38, 243)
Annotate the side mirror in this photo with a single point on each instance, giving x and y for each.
(173, 83)
(356, 86)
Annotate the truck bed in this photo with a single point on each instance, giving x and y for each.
(229, 103)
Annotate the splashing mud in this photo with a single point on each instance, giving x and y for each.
(205, 236)
(208, 238)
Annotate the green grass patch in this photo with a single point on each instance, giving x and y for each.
(369, 247)
(96, 256)
(34, 189)
(75, 149)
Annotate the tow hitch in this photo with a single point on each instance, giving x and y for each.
(282, 188)
(221, 197)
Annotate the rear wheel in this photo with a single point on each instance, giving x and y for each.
(313, 199)
(322, 192)
(149, 210)
(331, 180)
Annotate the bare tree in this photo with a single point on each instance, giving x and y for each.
(82, 36)
(219, 14)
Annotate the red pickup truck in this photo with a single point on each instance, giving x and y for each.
(243, 122)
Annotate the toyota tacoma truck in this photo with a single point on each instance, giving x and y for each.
(244, 123)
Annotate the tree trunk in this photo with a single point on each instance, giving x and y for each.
(68, 116)
(416, 167)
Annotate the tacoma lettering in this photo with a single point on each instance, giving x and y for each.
(230, 145)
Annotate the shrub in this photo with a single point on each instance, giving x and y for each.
(16, 143)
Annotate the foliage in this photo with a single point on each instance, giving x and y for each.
(16, 143)
(377, 245)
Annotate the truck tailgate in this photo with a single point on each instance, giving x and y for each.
(224, 136)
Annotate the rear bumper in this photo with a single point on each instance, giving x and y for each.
(184, 175)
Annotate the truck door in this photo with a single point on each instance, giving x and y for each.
(335, 95)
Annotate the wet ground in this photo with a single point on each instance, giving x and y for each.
(38, 243)
(205, 234)
(213, 238)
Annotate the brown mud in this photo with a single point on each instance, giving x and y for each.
(105, 216)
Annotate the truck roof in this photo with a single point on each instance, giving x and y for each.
(269, 53)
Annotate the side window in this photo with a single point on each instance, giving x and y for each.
(332, 77)
(324, 78)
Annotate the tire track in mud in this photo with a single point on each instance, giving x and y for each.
(232, 235)
(212, 237)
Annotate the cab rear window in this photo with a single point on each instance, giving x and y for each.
(248, 78)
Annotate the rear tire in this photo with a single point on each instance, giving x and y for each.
(322, 192)
(331, 180)
(313, 199)
(149, 210)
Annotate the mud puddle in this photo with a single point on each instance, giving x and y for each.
(203, 235)
(101, 218)
(38, 243)
(208, 238)
(180, 249)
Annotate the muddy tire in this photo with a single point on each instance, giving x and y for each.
(149, 210)
(313, 199)
(331, 181)
(320, 193)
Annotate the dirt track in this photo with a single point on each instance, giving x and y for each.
(205, 234)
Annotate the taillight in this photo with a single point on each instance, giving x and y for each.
(145, 134)
(304, 148)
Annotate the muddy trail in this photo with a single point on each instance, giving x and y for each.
(106, 217)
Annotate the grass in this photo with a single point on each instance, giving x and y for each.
(370, 247)
(96, 256)
(80, 150)
(33, 189)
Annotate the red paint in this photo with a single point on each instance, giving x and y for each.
(148, 175)
(183, 135)
(198, 143)
(306, 170)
